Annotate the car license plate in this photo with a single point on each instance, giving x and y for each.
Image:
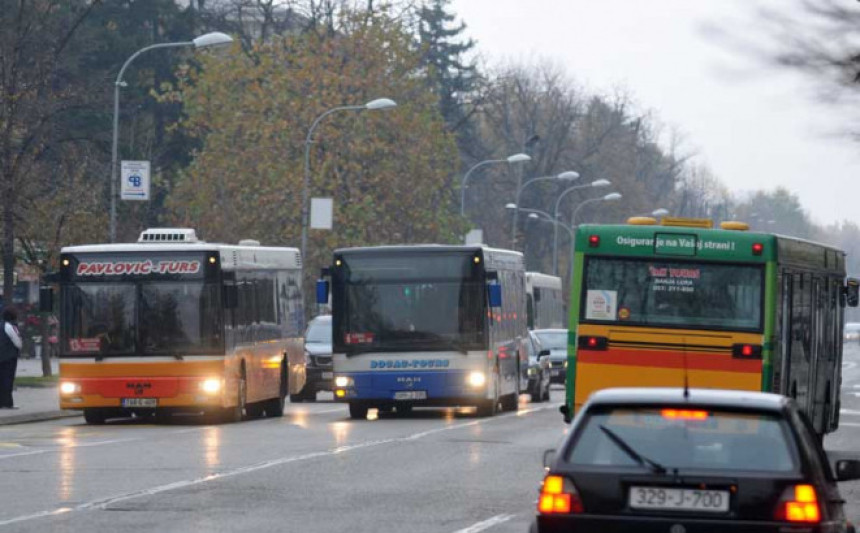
(328, 375)
(410, 395)
(556, 371)
(139, 402)
(661, 498)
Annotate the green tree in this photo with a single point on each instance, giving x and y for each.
(388, 172)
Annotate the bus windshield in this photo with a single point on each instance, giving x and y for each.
(163, 318)
(410, 302)
(675, 294)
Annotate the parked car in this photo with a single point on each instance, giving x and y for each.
(318, 353)
(651, 459)
(851, 332)
(538, 370)
(554, 340)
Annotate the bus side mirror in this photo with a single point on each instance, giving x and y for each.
(494, 291)
(852, 292)
(322, 291)
(231, 296)
(46, 299)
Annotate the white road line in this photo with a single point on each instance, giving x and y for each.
(486, 524)
(850, 424)
(105, 502)
(849, 412)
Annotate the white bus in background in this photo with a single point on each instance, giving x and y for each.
(545, 306)
(428, 325)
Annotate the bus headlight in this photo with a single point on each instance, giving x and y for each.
(210, 386)
(67, 387)
(343, 381)
(477, 379)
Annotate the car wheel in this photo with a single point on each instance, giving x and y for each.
(357, 411)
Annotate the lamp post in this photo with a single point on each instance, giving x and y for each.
(516, 158)
(608, 198)
(546, 217)
(209, 40)
(567, 175)
(595, 183)
(373, 105)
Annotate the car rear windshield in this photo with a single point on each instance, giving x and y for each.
(685, 439)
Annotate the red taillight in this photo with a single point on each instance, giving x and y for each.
(588, 342)
(799, 503)
(757, 248)
(684, 414)
(746, 351)
(594, 241)
(558, 496)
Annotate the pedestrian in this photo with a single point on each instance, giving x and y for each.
(10, 349)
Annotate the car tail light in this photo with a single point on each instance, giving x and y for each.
(558, 495)
(799, 503)
(588, 342)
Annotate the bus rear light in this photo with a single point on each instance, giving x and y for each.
(558, 495)
(746, 351)
(593, 343)
(757, 248)
(799, 503)
(594, 241)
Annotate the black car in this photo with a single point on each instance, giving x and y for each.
(318, 368)
(538, 370)
(676, 461)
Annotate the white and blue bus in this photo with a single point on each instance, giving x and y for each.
(427, 325)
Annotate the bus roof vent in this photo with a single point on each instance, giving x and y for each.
(249, 242)
(168, 235)
(735, 225)
(642, 221)
(688, 222)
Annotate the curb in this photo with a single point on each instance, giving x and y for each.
(25, 418)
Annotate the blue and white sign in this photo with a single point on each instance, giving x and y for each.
(134, 177)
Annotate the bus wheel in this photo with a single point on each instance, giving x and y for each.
(95, 417)
(357, 411)
(255, 410)
(510, 402)
(488, 408)
(237, 412)
(404, 408)
(275, 407)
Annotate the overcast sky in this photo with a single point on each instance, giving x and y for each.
(754, 127)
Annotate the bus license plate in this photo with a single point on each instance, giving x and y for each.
(410, 395)
(140, 402)
(715, 501)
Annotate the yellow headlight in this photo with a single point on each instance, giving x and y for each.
(210, 386)
(477, 379)
(67, 387)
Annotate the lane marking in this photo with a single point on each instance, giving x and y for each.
(851, 424)
(850, 412)
(486, 524)
(103, 503)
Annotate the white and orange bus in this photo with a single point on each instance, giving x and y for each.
(174, 324)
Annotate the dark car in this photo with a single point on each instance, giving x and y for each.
(554, 340)
(318, 353)
(538, 370)
(670, 460)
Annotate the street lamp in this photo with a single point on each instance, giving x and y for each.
(595, 183)
(568, 175)
(209, 40)
(537, 214)
(373, 105)
(608, 198)
(516, 158)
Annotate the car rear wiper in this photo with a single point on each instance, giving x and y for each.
(654, 466)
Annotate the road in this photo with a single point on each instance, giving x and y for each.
(313, 470)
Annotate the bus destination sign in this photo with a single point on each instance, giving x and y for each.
(136, 268)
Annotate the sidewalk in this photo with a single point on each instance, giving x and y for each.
(34, 403)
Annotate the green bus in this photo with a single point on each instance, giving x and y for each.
(685, 303)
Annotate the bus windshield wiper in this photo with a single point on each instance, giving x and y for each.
(654, 466)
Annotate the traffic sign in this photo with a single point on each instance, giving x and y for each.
(134, 178)
(321, 213)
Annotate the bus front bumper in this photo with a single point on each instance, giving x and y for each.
(141, 393)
